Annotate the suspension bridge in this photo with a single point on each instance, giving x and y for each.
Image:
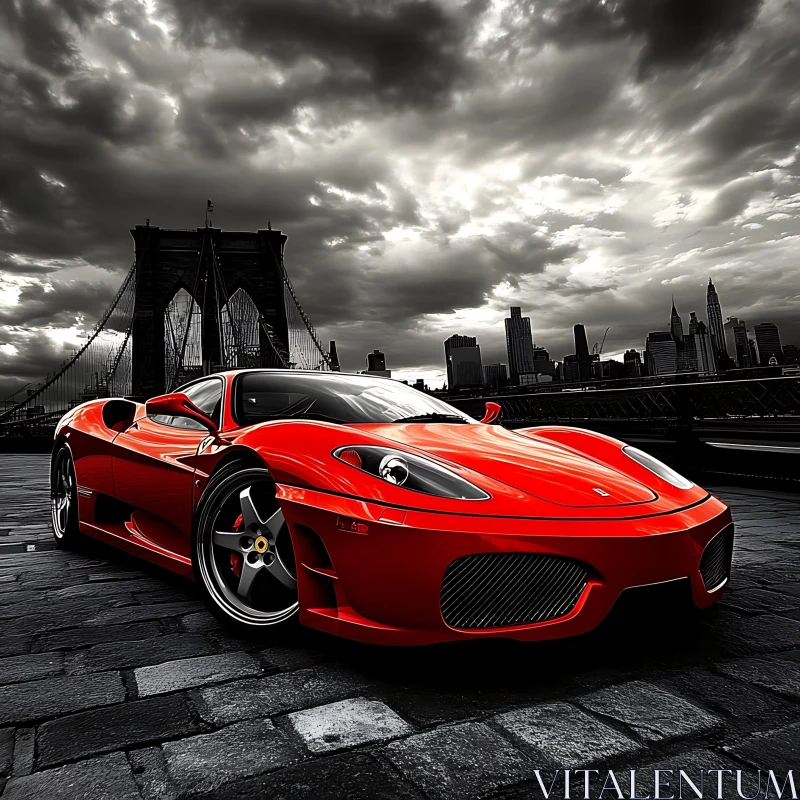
(193, 302)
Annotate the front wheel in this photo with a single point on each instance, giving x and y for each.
(242, 551)
(64, 499)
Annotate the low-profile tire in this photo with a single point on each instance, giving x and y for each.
(64, 499)
(242, 551)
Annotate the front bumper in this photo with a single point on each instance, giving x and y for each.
(379, 581)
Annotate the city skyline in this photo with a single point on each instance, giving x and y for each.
(433, 162)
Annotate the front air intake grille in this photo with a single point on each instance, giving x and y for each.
(715, 565)
(496, 590)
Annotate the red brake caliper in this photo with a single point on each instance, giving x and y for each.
(236, 558)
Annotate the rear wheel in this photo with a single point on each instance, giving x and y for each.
(242, 551)
(64, 499)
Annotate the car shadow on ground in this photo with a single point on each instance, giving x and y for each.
(648, 630)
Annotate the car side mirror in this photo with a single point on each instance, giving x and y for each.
(492, 413)
(178, 404)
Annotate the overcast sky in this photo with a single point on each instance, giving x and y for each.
(433, 162)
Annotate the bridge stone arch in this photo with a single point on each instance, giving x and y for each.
(169, 259)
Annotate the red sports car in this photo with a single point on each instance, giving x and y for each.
(366, 508)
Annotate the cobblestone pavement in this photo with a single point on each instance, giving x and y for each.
(115, 683)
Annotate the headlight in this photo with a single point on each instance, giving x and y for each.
(657, 467)
(409, 471)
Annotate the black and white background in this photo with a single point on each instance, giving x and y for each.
(432, 161)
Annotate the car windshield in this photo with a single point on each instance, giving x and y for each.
(335, 397)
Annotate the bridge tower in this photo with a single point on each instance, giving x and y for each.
(211, 265)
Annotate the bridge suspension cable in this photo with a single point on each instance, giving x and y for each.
(100, 367)
(103, 365)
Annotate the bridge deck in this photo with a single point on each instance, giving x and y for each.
(115, 683)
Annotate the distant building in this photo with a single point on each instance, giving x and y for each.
(768, 340)
(376, 364)
(582, 352)
(661, 353)
(519, 344)
(542, 365)
(570, 369)
(531, 378)
(753, 350)
(334, 356)
(675, 324)
(704, 350)
(463, 356)
(419, 383)
(791, 354)
(495, 376)
(693, 322)
(715, 320)
(632, 362)
(611, 370)
(738, 341)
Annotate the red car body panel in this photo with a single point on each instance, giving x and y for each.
(382, 584)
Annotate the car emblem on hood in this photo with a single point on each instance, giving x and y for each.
(601, 492)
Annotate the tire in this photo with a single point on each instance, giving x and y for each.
(64, 499)
(239, 524)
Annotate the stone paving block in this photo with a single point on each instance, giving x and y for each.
(128, 614)
(116, 727)
(15, 645)
(105, 778)
(653, 713)
(186, 673)
(348, 723)
(354, 776)
(769, 633)
(425, 709)
(738, 698)
(104, 589)
(199, 622)
(779, 675)
(463, 761)
(274, 694)
(776, 750)
(202, 763)
(566, 736)
(28, 702)
(82, 637)
(6, 750)
(760, 600)
(126, 655)
(24, 744)
(17, 669)
(150, 772)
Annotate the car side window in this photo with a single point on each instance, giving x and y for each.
(207, 396)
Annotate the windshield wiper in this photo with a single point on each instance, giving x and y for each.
(433, 417)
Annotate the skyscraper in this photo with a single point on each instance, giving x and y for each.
(675, 324)
(633, 364)
(463, 362)
(495, 376)
(693, 322)
(662, 353)
(715, 320)
(768, 340)
(704, 350)
(582, 352)
(519, 344)
(738, 329)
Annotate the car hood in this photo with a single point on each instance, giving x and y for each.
(545, 470)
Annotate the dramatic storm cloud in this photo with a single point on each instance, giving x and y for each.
(432, 161)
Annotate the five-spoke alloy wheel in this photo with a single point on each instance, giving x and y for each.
(243, 555)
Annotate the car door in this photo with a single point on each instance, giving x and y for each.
(153, 469)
